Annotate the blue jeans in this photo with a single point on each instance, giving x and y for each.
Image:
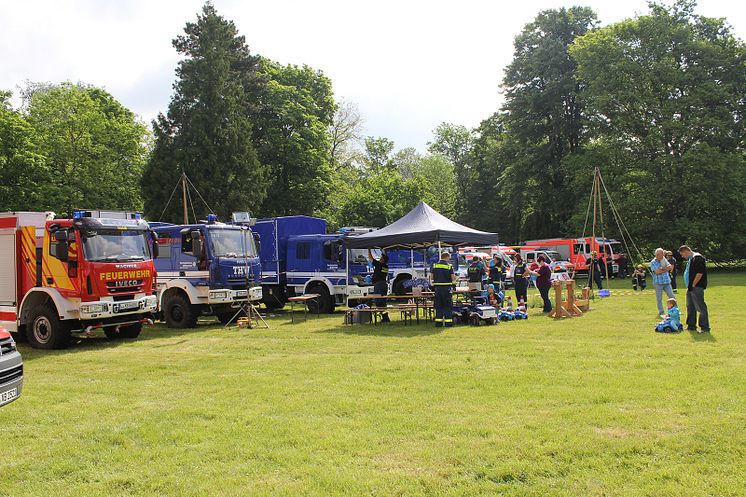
(659, 289)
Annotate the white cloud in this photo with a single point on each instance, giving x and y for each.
(409, 65)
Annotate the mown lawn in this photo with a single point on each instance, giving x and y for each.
(599, 405)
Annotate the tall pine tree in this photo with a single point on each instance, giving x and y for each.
(544, 121)
(207, 132)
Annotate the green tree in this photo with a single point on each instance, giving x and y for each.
(406, 161)
(436, 177)
(24, 176)
(207, 132)
(345, 134)
(291, 135)
(454, 142)
(378, 153)
(380, 199)
(93, 147)
(544, 120)
(667, 91)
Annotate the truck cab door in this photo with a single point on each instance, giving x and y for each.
(333, 258)
(57, 272)
(187, 259)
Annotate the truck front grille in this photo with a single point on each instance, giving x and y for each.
(132, 286)
(6, 346)
(11, 374)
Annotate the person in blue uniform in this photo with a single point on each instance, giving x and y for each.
(443, 281)
(380, 281)
(595, 270)
(497, 272)
(475, 272)
(520, 280)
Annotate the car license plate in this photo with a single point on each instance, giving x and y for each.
(7, 396)
(128, 306)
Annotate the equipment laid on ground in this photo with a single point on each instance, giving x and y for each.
(64, 276)
(206, 269)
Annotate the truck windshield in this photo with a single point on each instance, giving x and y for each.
(616, 248)
(112, 245)
(232, 243)
(360, 256)
(555, 256)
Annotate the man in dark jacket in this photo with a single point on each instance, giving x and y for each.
(695, 280)
(475, 272)
(380, 281)
(595, 270)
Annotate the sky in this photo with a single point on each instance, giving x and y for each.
(409, 65)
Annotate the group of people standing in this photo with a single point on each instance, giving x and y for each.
(479, 275)
(662, 267)
(663, 270)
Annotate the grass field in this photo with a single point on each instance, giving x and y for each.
(599, 405)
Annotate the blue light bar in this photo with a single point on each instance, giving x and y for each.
(211, 218)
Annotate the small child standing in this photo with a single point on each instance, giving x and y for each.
(672, 321)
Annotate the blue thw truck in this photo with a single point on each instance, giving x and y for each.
(298, 256)
(205, 269)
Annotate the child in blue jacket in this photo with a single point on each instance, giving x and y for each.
(672, 322)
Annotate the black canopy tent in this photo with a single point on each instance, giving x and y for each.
(420, 228)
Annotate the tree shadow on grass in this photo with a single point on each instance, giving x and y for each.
(98, 341)
(384, 330)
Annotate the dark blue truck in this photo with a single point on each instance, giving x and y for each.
(298, 256)
(205, 269)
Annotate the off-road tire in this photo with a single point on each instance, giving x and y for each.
(45, 330)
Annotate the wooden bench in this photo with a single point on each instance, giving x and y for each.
(303, 299)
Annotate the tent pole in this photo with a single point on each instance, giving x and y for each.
(411, 260)
(347, 276)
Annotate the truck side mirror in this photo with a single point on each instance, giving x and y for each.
(257, 242)
(196, 244)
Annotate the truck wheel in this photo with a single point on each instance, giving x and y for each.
(398, 287)
(45, 330)
(129, 331)
(178, 312)
(325, 303)
(273, 298)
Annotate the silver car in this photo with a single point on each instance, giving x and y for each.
(11, 369)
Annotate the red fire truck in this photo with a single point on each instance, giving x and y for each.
(578, 250)
(65, 276)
